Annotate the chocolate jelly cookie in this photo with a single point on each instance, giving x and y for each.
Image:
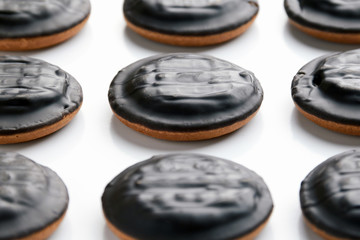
(33, 24)
(326, 91)
(187, 196)
(33, 199)
(184, 97)
(36, 98)
(190, 23)
(332, 20)
(330, 197)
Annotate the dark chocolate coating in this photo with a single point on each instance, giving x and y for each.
(190, 17)
(341, 16)
(31, 196)
(32, 18)
(328, 87)
(187, 196)
(184, 92)
(34, 94)
(330, 195)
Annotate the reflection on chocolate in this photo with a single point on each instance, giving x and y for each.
(184, 92)
(326, 15)
(187, 196)
(343, 8)
(34, 93)
(329, 87)
(26, 85)
(330, 195)
(31, 196)
(200, 17)
(173, 9)
(22, 11)
(27, 18)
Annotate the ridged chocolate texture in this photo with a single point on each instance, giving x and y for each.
(190, 17)
(330, 195)
(34, 94)
(30, 18)
(187, 196)
(184, 92)
(341, 16)
(31, 196)
(328, 87)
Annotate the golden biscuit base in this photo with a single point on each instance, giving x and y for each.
(32, 43)
(249, 236)
(350, 38)
(322, 233)
(190, 41)
(37, 133)
(186, 136)
(46, 232)
(334, 126)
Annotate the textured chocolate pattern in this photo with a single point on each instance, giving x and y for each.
(187, 196)
(184, 92)
(327, 15)
(31, 196)
(330, 195)
(30, 18)
(34, 94)
(329, 87)
(190, 17)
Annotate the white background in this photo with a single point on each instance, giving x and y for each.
(279, 143)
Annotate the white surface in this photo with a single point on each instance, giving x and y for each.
(279, 144)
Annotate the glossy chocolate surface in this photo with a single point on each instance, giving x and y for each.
(187, 196)
(190, 17)
(329, 87)
(34, 94)
(30, 18)
(31, 196)
(330, 195)
(341, 16)
(184, 92)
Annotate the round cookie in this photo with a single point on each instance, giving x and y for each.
(330, 197)
(190, 23)
(187, 196)
(36, 99)
(33, 199)
(326, 91)
(331, 20)
(34, 24)
(184, 97)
